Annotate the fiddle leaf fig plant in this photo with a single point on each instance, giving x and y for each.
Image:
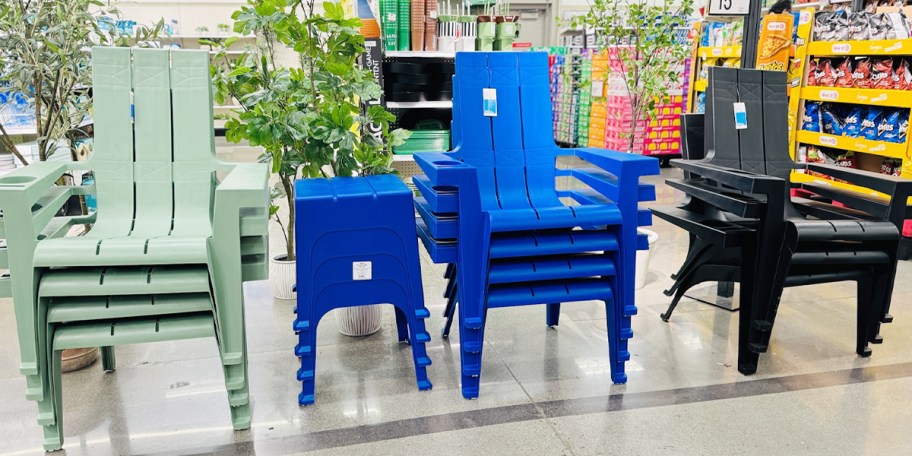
(305, 115)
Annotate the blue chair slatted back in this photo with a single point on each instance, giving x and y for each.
(504, 147)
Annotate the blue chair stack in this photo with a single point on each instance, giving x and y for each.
(490, 208)
(356, 246)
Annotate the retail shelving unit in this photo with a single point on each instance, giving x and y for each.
(407, 111)
(869, 154)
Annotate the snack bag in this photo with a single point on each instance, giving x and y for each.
(862, 76)
(888, 128)
(825, 76)
(832, 123)
(882, 74)
(842, 69)
(840, 25)
(775, 42)
(859, 26)
(715, 34)
(847, 160)
(887, 167)
(811, 118)
(814, 155)
(853, 121)
(904, 75)
(880, 28)
(903, 127)
(812, 72)
(899, 26)
(737, 32)
(870, 122)
(897, 167)
(823, 27)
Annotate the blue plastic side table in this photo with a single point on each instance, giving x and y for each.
(356, 246)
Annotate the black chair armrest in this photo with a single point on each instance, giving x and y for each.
(734, 178)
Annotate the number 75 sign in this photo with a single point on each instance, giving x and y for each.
(728, 7)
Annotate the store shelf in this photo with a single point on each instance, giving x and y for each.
(802, 178)
(882, 148)
(419, 104)
(700, 85)
(24, 131)
(403, 158)
(422, 54)
(719, 51)
(873, 97)
(870, 47)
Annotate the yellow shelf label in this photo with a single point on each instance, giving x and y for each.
(882, 148)
(869, 47)
(876, 97)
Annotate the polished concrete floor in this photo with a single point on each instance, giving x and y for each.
(543, 391)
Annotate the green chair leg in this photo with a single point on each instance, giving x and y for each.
(53, 433)
(108, 363)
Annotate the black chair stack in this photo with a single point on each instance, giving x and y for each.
(414, 80)
(746, 228)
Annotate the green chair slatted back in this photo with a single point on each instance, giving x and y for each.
(152, 158)
(111, 161)
(194, 153)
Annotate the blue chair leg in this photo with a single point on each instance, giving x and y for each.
(307, 351)
(449, 312)
(553, 314)
(418, 337)
(619, 331)
(402, 323)
(471, 336)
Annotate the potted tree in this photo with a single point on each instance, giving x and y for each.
(645, 50)
(45, 56)
(305, 116)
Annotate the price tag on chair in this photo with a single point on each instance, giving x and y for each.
(740, 116)
(489, 102)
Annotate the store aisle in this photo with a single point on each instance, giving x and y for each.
(544, 391)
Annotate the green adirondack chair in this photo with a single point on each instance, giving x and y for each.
(170, 243)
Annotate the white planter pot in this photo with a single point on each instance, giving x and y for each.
(360, 320)
(642, 258)
(282, 277)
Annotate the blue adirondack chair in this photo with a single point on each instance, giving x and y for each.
(490, 207)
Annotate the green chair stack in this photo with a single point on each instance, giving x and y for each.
(170, 243)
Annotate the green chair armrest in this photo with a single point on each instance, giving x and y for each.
(240, 219)
(30, 182)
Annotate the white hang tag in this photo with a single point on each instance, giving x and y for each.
(362, 270)
(740, 116)
(489, 102)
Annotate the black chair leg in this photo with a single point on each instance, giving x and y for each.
(725, 289)
(866, 308)
(748, 359)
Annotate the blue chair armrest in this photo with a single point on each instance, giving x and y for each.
(444, 170)
(618, 163)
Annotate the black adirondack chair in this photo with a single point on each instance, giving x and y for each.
(747, 229)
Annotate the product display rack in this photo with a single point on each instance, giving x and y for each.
(405, 111)
(868, 153)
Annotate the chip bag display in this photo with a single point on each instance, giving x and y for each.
(882, 74)
(775, 42)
